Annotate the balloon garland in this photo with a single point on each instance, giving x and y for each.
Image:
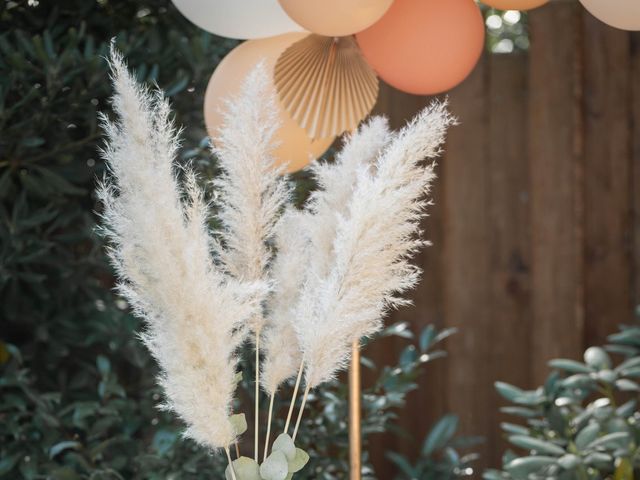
(326, 75)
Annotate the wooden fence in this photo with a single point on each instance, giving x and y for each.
(536, 233)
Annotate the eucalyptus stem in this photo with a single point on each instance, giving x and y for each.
(233, 473)
(304, 402)
(257, 412)
(293, 398)
(266, 440)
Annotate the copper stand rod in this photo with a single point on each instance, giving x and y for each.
(355, 438)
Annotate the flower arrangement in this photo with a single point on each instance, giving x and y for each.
(301, 285)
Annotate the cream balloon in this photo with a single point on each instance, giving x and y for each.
(622, 14)
(240, 19)
(335, 18)
(294, 148)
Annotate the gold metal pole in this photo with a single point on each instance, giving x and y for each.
(355, 436)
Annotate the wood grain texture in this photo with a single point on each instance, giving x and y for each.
(555, 151)
(607, 173)
(536, 227)
(509, 243)
(467, 239)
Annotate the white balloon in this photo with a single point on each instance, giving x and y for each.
(241, 19)
(623, 14)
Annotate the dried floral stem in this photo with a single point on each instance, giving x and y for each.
(304, 402)
(233, 472)
(255, 436)
(293, 398)
(237, 448)
(266, 440)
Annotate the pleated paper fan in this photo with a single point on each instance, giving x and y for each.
(325, 84)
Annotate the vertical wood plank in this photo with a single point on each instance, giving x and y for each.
(634, 39)
(509, 245)
(556, 179)
(607, 195)
(466, 242)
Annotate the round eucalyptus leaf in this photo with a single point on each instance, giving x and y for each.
(299, 461)
(275, 467)
(239, 423)
(285, 444)
(245, 468)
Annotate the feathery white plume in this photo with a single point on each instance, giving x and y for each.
(336, 184)
(314, 228)
(281, 349)
(252, 190)
(161, 251)
(372, 246)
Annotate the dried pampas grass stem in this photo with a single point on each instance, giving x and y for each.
(266, 440)
(293, 397)
(304, 402)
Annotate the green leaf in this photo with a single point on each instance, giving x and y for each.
(285, 444)
(537, 445)
(245, 468)
(522, 467)
(104, 365)
(7, 463)
(569, 461)
(275, 467)
(62, 446)
(597, 357)
(587, 435)
(611, 440)
(299, 461)
(508, 391)
(514, 429)
(239, 423)
(627, 385)
(570, 366)
(440, 434)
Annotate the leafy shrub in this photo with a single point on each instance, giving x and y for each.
(439, 457)
(583, 423)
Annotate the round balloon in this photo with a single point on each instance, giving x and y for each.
(238, 18)
(623, 14)
(335, 18)
(425, 46)
(294, 148)
(515, 4)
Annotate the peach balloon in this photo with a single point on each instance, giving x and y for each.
(294, 145)
(335, 18)
(515, 4)
(425, 46)
(622, 14)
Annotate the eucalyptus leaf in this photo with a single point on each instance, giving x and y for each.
(275, 467)
(299, 461)
(285, 444)
(239, 423)
(245, 468)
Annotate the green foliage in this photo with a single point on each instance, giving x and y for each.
(439, 457)
(583, 423)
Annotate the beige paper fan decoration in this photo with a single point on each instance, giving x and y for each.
(325, 84)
